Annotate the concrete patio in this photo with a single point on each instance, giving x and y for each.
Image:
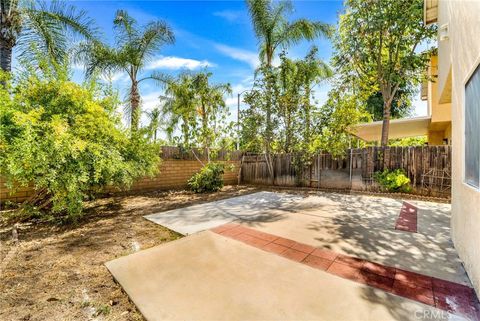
(209, 275)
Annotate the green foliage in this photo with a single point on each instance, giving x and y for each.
(135, 46)
(197, 107)
(376, 48)
(333, 121)
(66, 139)
(47, 26)
(209, 179)
(409, 141)
(285, 95)
(393, 181)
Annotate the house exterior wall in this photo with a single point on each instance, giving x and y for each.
(458, 58)
(439, 112)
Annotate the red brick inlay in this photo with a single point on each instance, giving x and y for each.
(407, 220)
(449, 296)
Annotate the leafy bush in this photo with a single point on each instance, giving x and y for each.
(68, 141)
(209, 179)
(393, 181)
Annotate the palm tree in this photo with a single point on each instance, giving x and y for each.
(274, 32)
(134, 48)
(45, 27)
(179, 108)
(155, 117)
(313, 70)
(197, 106)
(211, 104)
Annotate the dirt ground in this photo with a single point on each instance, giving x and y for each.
(58, 273)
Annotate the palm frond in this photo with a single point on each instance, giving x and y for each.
(304, 29)
(126, 27)
(98, 57)
(155, 35)
(52, 27)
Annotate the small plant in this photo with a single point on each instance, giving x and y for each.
(393, 181)
(209, 179)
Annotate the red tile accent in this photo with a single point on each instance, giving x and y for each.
(261, 235)
(449, 296)
(407, 220)
(275, 248)
(303, 248)
(317, 262)
(350, 261)
(232, 232)
(294, 255)
(285, 242)
(376, 280)
(379, 269)
(413, 279)
(444, 286)
(251, 240)
(345, 271)
(325, 254)
(458, 304)
(413, 292)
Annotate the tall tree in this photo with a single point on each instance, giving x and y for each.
(155, 118)
(134, 48)
(378, 42)
(274, 31)
(313, 71)
(179, 108)
(197, 107)
(211, 107)
(44, 26)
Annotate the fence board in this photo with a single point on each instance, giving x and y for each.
(428, 167)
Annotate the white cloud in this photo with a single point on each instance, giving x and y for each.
(173, 63)
(247, 56)
(151, 100)
(229, 15)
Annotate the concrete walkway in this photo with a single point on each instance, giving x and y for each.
(209, 277)
(357, 225)
(252, 207)
(206, 276)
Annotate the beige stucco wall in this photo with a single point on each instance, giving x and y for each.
(435, 138)
(438, 112)
(458, 57)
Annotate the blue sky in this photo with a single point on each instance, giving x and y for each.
(213, 34)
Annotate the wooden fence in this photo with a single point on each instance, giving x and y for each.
(428, 167)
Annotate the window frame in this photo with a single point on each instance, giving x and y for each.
(468, 78)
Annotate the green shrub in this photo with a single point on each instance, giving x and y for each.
(393, 181)
(68, 141)
(209, 179)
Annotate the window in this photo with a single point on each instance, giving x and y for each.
(472, 129)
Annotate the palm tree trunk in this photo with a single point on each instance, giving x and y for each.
(5, 56)
(386, 121)
(135, 105)
(307, 117)
(206, 140)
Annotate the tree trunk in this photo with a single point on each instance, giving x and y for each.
(206, 142)
(268, 127)
(307, 117)
(135, 105)
(5, 56)
(386, 121)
